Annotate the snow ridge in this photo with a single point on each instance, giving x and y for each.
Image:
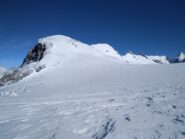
(59, 47)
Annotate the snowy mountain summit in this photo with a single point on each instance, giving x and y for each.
(66, 89)
(181, 57)
(54, 49)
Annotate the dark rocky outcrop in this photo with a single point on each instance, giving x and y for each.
(35, 54)
(143, 55)
(18, 74)
(13, 77)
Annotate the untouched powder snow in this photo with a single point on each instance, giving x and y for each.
(85, 93)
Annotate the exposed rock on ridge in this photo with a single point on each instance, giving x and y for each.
(35, 54)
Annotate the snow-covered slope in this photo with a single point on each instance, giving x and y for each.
(85, 93)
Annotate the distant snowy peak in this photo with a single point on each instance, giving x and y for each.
(159, 59)
(136, 59)
(181, 57)
(132, 58)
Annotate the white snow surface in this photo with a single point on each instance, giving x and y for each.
(84, 94)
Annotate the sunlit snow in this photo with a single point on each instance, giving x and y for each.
(91, 92)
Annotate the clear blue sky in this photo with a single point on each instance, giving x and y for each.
(154, 27)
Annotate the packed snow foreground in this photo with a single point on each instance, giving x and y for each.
(66, 89)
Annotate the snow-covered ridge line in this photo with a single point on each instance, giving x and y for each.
(58, 47)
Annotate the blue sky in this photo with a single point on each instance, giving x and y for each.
(153, 27)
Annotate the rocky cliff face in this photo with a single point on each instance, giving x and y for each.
(35, 54)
